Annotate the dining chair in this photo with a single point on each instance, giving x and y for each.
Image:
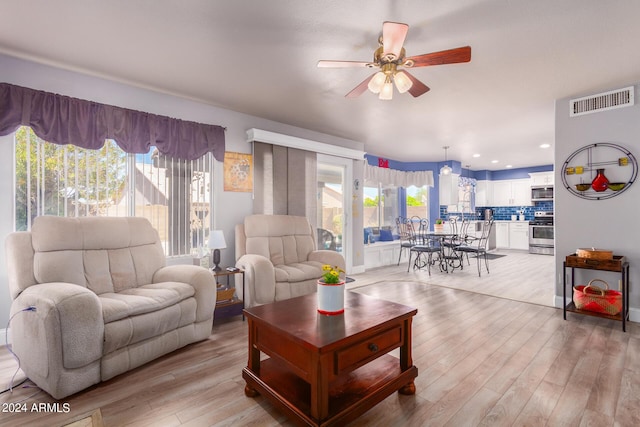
(479, 245)
(424, 248)
(406, 233)
(463, 238)
(451, 243)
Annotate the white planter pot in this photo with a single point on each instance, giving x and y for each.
(330, 298)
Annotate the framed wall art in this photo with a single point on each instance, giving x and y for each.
(238, 172)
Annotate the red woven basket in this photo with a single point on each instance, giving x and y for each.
(594, 298)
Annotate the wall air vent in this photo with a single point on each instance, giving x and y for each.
(601, 102)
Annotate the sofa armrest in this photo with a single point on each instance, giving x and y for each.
(202, 281)
(260, 280)
(65, 331)
(327, 257)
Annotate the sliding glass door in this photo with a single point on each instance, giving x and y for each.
(334, 214)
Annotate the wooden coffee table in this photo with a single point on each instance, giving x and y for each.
(328, 370)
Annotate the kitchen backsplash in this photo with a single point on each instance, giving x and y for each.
(504, 213)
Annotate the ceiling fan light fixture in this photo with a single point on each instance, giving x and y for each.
(386, 93)
(403, 83)
(376, 82)
(390, 55)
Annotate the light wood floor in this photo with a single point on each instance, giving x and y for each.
(482, 360)
(518, 275)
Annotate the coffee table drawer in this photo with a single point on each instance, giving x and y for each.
(365, 351)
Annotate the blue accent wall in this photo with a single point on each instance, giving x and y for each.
(438, 211)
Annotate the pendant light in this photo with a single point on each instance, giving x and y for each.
(467, 186)
(445, 170)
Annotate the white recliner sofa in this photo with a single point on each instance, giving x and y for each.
(278, 254)
(104, 300)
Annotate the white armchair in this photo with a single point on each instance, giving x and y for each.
(99, 300)
(278, 254)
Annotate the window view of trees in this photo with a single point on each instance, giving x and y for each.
(381, 204)
(417, 201)
(65, 180)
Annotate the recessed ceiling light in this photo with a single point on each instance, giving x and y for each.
(545, 145)
(508, 166)
(494, 161)
(476, 155)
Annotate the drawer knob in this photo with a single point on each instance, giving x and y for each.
(373, 347)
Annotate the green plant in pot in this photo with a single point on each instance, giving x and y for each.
(331, 274)
(331, 291)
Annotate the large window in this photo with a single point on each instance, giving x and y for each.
(64, 180)
(417, 201)
(380, 205)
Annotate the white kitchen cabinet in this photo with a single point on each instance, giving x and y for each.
(512, 192)
(484, 193)
(521, 192)
(448, 193)
(519, 235)
(502, 234)
(541, 178)
(501, 193)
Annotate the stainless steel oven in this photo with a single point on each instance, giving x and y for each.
(541, 233)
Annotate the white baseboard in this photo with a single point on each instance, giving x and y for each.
(357, 269)
(3, 337)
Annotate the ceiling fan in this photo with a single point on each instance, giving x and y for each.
(391, 60)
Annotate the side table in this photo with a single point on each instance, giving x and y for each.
(617, 264)
(233, 307)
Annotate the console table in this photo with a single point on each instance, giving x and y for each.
(617, 264)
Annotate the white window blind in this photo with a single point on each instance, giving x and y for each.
(64, 180)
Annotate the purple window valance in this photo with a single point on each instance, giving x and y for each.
(65, 120)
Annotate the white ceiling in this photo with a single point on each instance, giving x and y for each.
(259, 57)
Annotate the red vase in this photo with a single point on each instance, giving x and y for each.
(600, 182)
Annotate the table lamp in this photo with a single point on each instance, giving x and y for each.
(216, 242)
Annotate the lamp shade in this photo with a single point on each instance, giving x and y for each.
(376, 82)
(386, 93)
(403, 83)
(216, 240)
(445, 170)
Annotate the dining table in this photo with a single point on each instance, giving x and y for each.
(448, 259)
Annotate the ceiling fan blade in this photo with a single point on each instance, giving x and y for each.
(360, 89)
(417, 88)
(393, 35)
(451, 56)
(342, 64)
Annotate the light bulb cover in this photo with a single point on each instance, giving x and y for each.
(376, 82)
(386, 93)
(403, 83)
(445, 170)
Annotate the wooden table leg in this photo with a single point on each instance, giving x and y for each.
(406, 360)
(408, 389)
(319, 405)
(254, 359)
